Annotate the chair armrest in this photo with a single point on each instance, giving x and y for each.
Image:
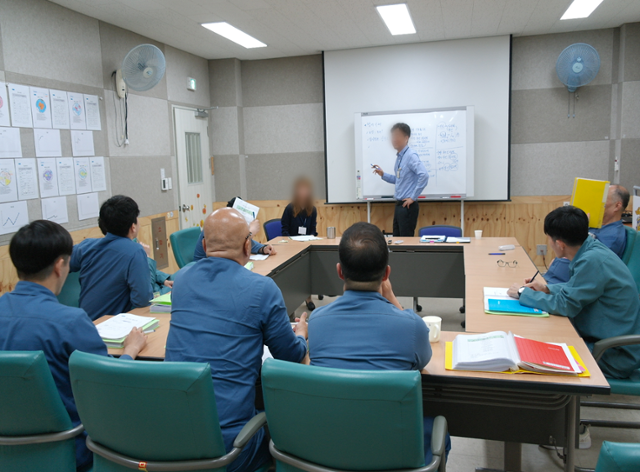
(249, 429)
(41, 438)
(439, 436)
(617, 341)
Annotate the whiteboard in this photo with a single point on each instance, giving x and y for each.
(420, 76)
(442, 138)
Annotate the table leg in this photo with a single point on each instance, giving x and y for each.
(571, 419)
(512, 457)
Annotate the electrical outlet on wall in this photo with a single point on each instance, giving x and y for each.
(541, 249)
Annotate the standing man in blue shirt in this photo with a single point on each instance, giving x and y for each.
(114, 273)
(601, 296)
(366, 328)
(224, 314)
(32, 319)
(611, 234)
(410, 177)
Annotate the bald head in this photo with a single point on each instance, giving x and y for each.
(225, 235)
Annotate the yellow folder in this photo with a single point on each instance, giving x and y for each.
(448, 363)
(590, 196)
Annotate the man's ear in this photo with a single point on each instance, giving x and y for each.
(59, 265)
(339, 270)
(247, 247)
(387, 273)
(204, 245)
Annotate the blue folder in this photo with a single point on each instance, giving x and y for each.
(511, 306)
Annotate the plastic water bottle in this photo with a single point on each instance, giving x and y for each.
(358, 185)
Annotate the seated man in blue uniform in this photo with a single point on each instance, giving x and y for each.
(32, 319)
(366, 328)
(256, 247)
(600, 298)
(611, 234)
(224, 314)
(114, 273)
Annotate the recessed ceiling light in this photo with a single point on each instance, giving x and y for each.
(234, 34)
(580, 9)
(397, 18)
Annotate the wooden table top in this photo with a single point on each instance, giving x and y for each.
(481, 271)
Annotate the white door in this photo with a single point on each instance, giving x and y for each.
(194, 175)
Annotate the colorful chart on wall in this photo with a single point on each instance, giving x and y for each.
(8, 181)
(82, 174)
(47, 177)
(40, 109)
(76, 110)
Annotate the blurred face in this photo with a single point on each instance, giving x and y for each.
(303, 192)
(399, 140)
(612, 206)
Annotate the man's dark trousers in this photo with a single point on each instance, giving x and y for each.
(405, 219)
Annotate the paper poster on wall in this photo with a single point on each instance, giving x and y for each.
(88, 206)
(5, 119)
(55, 209)
(59, 109)
(20, 106)
(10, 144)
(92, 111)
(26, 175)
(8, 181)
(98, 180)
(82, 143)
(75, 102)
(40, 107)
(47, 142)
(82, 174)
(47, 177)
(13, 216)
(66, 178)
(635, 216)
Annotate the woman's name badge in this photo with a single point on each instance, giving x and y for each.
(302, 230)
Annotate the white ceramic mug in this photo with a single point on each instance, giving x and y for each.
(434, 323)
(478, 234)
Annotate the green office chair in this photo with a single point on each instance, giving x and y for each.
(631, 255)
(183, 244)
(353, 419)
(618, 457)
(36, 432)
(161, 413)
(70, 293)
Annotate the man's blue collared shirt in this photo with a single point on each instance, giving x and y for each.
(412, 175)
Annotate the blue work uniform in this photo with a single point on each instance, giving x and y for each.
(612, 235)
(223, 314)
(601, 300)
(158, 278)
(114, 275)
(364, 331)
(409, 175)
(200, 254)
(32, 319)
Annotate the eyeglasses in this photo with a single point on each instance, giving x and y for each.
(512, 264)
(248, 235)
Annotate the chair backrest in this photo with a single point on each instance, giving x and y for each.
(70, 293)
(633, 258)
(272, 228)
(31, 405)
(354, 420)
(155, 411)
(183, 244)
(445, 230)
(618, 457)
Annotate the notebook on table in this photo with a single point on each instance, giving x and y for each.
(497, 302)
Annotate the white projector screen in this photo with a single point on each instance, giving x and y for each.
(444, 74)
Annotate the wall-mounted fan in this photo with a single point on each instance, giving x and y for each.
(576, 66)
(142, 68)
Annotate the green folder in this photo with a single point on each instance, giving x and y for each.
(162, 299)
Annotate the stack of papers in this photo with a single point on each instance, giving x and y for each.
(115, 330)
(258, 257)
(497, 302)
(499, 352)
(308, 237)
(249, 265)
(433, 238)
(161, 304)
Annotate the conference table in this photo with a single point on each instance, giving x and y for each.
(512, 408)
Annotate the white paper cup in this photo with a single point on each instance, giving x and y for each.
(434, 323)
(478, 234)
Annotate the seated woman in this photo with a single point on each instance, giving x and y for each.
(300, 216)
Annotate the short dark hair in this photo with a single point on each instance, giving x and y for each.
(406, 130)
(36, 247)
(117, 215)
(622, 194)
(231, 202)
(567, 224)
(363, 252)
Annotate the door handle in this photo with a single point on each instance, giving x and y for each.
(185, 208)
(157, 244)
